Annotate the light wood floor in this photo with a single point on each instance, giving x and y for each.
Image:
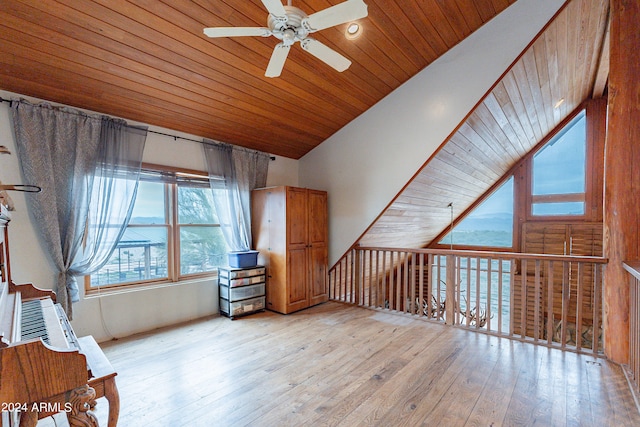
(345, 366)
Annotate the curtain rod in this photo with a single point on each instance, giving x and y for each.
(175, 137)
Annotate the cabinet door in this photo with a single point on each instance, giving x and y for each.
(317, 217)
(318, 286)
(297, 290)
(297, 227)
(297, 232)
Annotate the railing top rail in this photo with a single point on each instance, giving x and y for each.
(633, 267)
(496, 255)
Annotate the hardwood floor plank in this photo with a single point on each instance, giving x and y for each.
(527, 405)
(494, 399)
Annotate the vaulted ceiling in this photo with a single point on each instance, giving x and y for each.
(149, 61)
(565, 66)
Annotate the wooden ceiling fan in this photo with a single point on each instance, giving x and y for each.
(290, 24)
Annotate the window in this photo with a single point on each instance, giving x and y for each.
(559, 172)
(173, 233)
(490, 224)
(202, 246)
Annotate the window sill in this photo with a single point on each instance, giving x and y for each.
(98, 292)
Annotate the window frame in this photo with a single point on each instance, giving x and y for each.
(488, 194)
(585, 197)
(514, 236)
(171, 177)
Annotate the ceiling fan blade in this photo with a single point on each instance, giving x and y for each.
(278, 57)
(325, 54)
(347, 11)
(237, 31)
(275, 7)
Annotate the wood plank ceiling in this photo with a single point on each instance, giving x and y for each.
(568, 61)
(149, 61)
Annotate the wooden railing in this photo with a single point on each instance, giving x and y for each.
(634, 322)
(547, 299)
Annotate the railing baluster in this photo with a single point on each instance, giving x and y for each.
(488, 303)
(536, 318)
(467, 307)
(363, 278)
(344, 267)
(376, 282)
(597, 306)
(450, 288)
(566, 294)
(500, 284)
(405, 283)
(438, 287)
(478, 298)
(430, 279)
(458, 281)
(550, 319)
(421, 284)
(391, 282)
(384, 279)
(634, 324)
(339, 280)
(356, 277)
(399, 282)
(366, 279)
(512, 298)
(343, 279)
(338, 275)
(523, 299)
(412, 283)
(579, 292)
(376, 273)
(351, 279)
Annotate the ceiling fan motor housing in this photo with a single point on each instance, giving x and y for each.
(290, 30)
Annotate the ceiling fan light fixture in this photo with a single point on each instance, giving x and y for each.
(290, 25)
(353, 30)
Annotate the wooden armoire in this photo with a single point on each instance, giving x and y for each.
(289, 228)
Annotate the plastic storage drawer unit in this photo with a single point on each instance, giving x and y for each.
(241, 290)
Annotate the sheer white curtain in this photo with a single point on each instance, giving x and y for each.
(233, 173)
(73, 157)
(113, 193)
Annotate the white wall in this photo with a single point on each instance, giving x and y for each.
(365, 164)
(118, 314)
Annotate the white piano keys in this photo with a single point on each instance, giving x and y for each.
(40, 319)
